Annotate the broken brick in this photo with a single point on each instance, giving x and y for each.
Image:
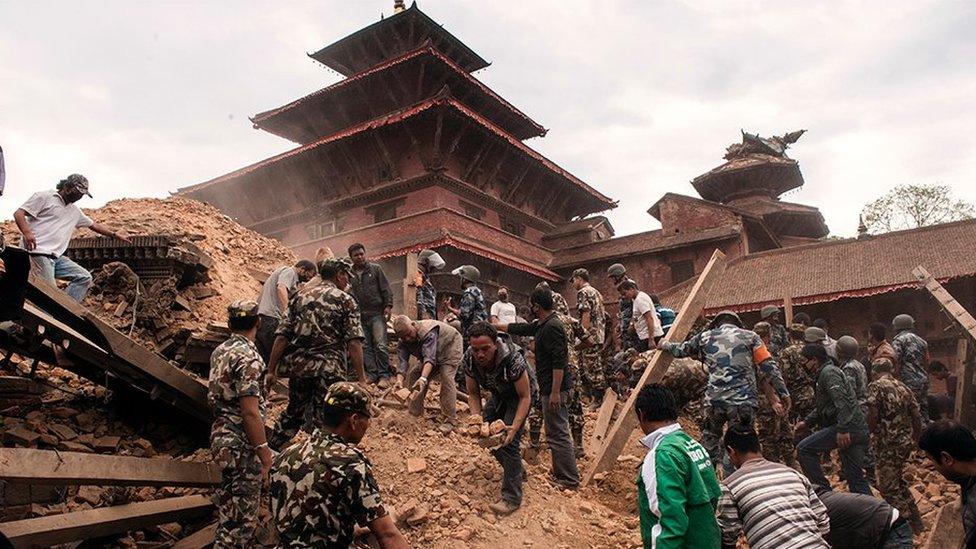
(416, 465)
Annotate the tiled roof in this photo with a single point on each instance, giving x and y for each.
(830, 270)
(640, 243)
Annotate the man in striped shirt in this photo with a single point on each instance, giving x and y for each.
(775, 505)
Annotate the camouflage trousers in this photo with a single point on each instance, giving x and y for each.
(576, 417)
(238, 497)
(306, 395)
(594, 381)
(775, 435)
(890, 468)
(921, 392)
(719, 414)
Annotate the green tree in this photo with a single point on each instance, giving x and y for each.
(911, 206)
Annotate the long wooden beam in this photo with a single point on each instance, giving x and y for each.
(50, 467)
(96, 523)
(654, 371)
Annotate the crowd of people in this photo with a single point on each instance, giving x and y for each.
(777, 400)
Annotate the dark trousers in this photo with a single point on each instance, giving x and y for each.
(306, 396)
(643, 345)
(376, 352)
(899, 536)
(13, 283)
(713, 430)
(265, 337)
(560, 441)
(508, 456)
(851, 458)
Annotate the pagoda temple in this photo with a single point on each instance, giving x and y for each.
(409, 151)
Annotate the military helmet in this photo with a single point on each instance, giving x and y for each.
(903, 322)
(336, 264)
(582, 274)
(431, 258)
(768, 311)
(762, 328)
(726, 316)
(847, 346)
(468, 272)
(797, 329)
(349, 397)
(543, 286)
(616, 269)
(242, 308)
(814, 335)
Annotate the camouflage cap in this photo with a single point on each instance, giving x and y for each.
(77, 181)
(762, 328)
(336, 263)
(242, 308)
(797, 329)
(814, 335)
(581, 274)
(349, 397)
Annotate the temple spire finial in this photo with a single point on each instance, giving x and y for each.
(398, 6)
(862, 229)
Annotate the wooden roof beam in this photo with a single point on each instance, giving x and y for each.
(96, 523)
(32, 466)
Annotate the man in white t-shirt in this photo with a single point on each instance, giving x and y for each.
(644, 320)
(503, 311)
(47, 221)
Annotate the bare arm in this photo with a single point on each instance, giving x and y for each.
(20, 217)
(649, 320)
(277, 349)
(525, 401)
(474, 395)
(355, 349)
(282, 296)
(106, 231)
(254, 429)
(387, 534)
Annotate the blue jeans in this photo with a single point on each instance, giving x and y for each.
(376, 351)
(851, 458)
(62, 268)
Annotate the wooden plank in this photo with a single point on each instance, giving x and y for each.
(201, 539)
(654, 371)
(603, 418)
(964, 383)
(49, 467)
(96, 523)
(945, 299)
(787, 311)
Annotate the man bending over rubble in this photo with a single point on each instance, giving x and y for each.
(438, 347)
(47, 220)
(494, 364)
(323, 486)
(277, 290)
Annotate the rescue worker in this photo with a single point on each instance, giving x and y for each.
(427, 262)
(472, 307)
(237, 438)
(438, 348)
(732, 355)
(589, 304)
(320, 328)
(558, 301)
(323, 486)
(778, 339)
(625, 308)
(799, 381)
(913, 356)
(775, 432)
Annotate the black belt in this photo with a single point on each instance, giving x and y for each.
(40, 254)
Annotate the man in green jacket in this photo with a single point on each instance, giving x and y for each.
(677, 492)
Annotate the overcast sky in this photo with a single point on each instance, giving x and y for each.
(639, 96)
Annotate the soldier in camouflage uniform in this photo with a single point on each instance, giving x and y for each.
(732, 356)
(775, 431)
(589, 303)
(321, 326)
(323, 486)
(618, 275)
(687, 379)
(237, 437)
(427, 261)
(895, 421)
(799, 381)
(472, 308)
(913, 356)
(778, 339)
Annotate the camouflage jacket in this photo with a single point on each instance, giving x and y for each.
(730, 353)
(500, 380)
(574, 334)
(896, 411)
(858, 377)
(236, 370)
(559, 304)
(778, 340)
(319, 489)
(687, 379)
(318, 324)
(912, 352)
(590, 302)
(472, 308)
(625, 312)
(799, 381)
(426, 299)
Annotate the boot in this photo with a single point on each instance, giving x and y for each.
(503, 508)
